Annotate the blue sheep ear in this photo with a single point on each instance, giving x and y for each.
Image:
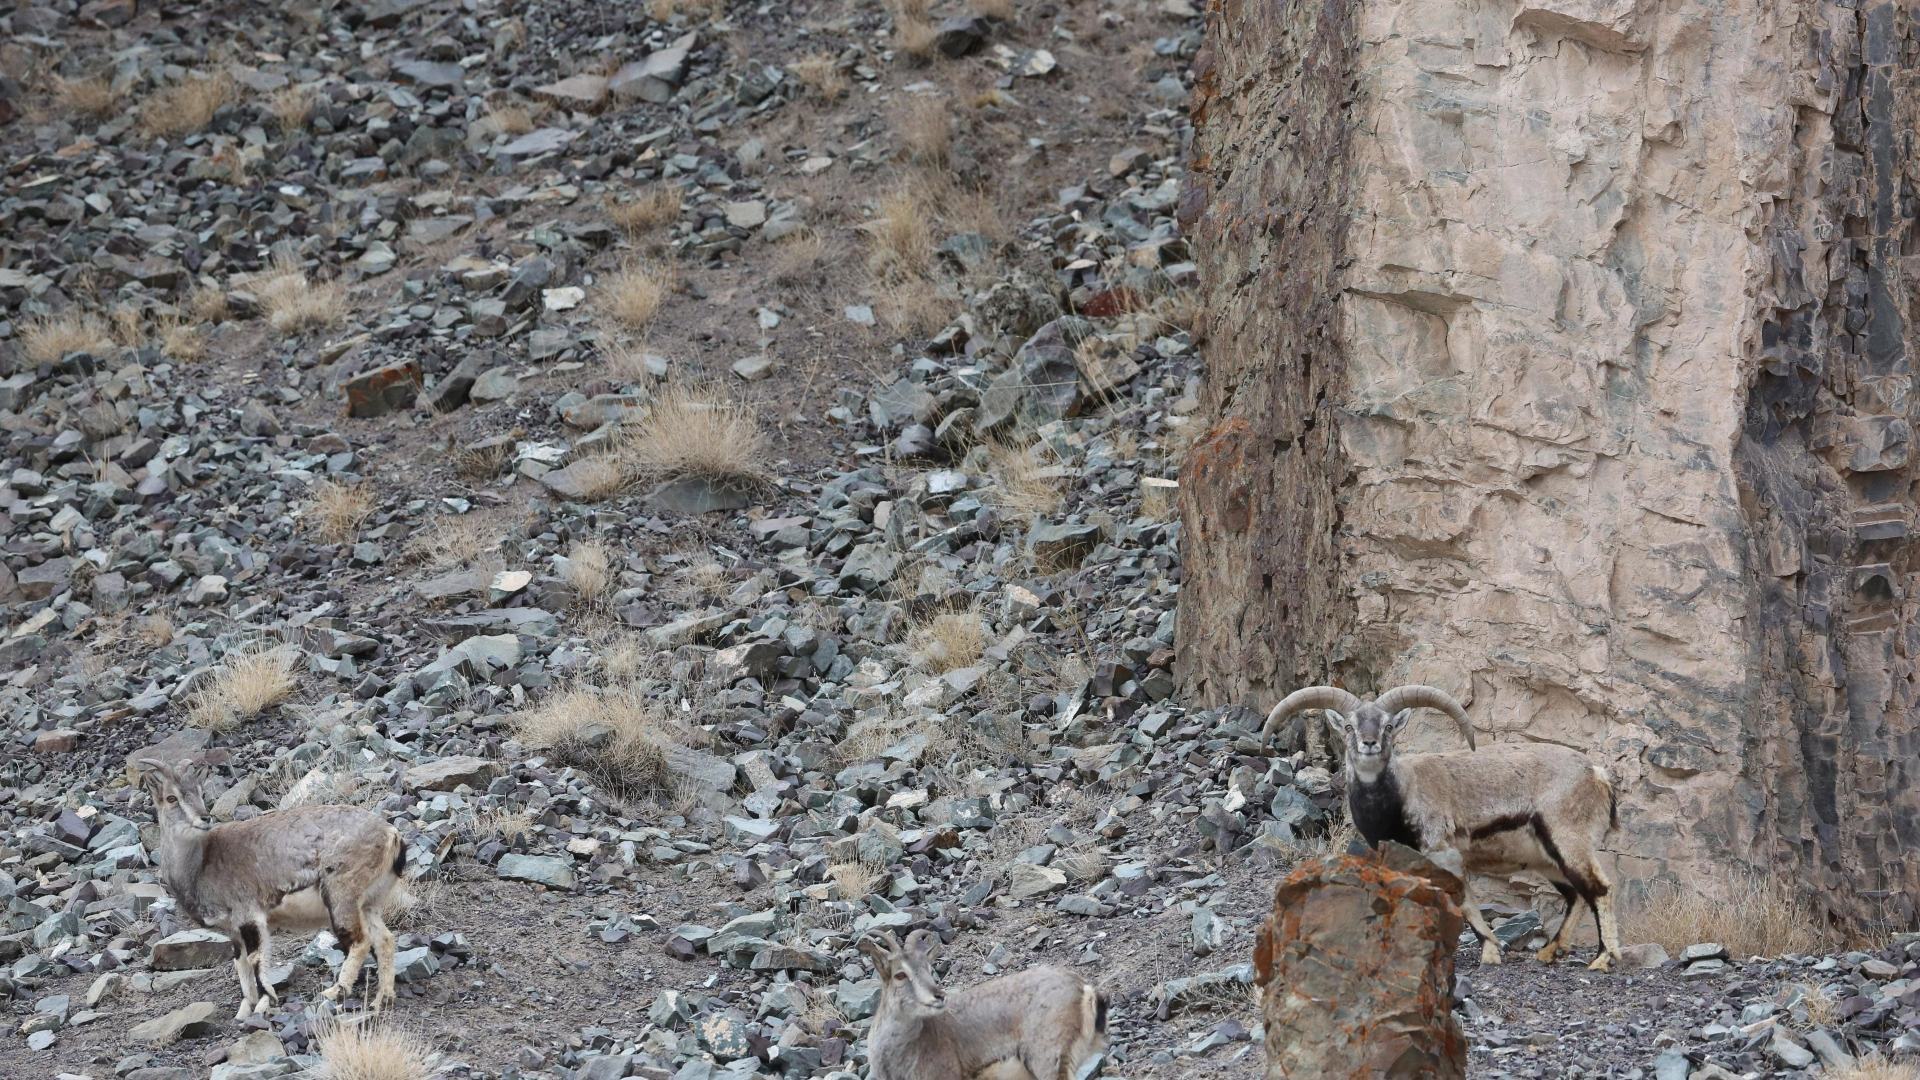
(1399, 719)
(1336, 720)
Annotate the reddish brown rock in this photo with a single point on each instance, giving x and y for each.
(1356, 963)
(62, 741)
(382, 390)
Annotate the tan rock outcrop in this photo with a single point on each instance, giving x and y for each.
(1561, 355)
(1355, 967)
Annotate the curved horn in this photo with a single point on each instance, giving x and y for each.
(1414, 695)
(1311, 697)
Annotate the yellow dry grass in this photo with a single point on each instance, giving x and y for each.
(900, 235)
(187, 106)
(947, 641)
(657, 206)
(511, 118)
(912, 307)
(1873, 1067)
(369, 1051)
(291, 107)
(631, 296)
(1750, 915)
(915, 36)
(294, 303)
(334, 510)
(664, 10)
(181, 340)
(696, 431)
(616, 736)
(46, 340)
(153, 631)
(208, 305)
(820, 75)
(601, 477)
(925, 131)
(627, 363)
(854, 879)
(246, 684)
(995, 9)
(1022, 485)
(798, 257)
(588, 571)
(94, 97)
(454, 541)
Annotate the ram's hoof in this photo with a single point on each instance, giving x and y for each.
(1490, 954)
(1603, 962)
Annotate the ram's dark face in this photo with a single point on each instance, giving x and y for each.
(1369, 733)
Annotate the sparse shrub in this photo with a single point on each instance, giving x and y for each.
(912, 307)
(153, 631)
(820, 74)
(616, 736)
(334, 511)
(798, 257)
(1873, 1067)
(627, 363)
(601, 478)
(1083, 867)
(208, 305)
(187, 106)
(915, 36)
(294, 303)
(1751, 915)
(693, 431)
(368, 1051)
(246, 684)
(634, 294)
(181, 340)
(950, 640)
(484, 460)
(453, 541)
(658, 206)
(510, 118)
(45, 341)
(855, 879)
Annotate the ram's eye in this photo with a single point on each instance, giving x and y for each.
(172, 799)
(899, 976)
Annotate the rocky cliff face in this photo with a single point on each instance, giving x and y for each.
(1562, 356)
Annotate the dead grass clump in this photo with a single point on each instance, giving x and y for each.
(291, 107)
(453, 541)
(995, 9)
(954, 639)
(634, 294)
(915, 36)
(1751, 915)
(334, 511)
(181, 340)
(1083, 867)
(855, 880)
(484, 460)
(900, 235)
(247, 684)
(1022, 485)
(46, 340)
(1157, 495)
(1178, 309)
(798, 257)
(659, 206)
(588, 571)
(95, 98)
(617, 736)
(366, 1051)
(910, 9)
(186, 107)
(1873, 1067)
(925, 131)
(510, 118)
(208, 305)
(294, 303)
(820, 75)
(153, 631)
(601, 478)
(627, 363)
(694, 431)
(665, 10)
(912, 307)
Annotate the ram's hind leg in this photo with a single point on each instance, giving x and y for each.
(243, 968)
(383, 951)
(351, 933)
(262, 960)
(1563, 937)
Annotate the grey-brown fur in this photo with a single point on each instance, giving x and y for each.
(1510, 808)
(1044, 1023)
(302, 869)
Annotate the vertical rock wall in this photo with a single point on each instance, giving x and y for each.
(1587, 399)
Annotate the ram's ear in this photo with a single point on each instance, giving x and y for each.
(877, 951)
(923, 944)
(1337, 720)
(1398, 720)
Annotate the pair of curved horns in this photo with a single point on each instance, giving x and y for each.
(1411, 696)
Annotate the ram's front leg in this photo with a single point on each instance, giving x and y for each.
(1451, 859)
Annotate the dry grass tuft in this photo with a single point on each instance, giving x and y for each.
(334, 511)
(915, 36)
(94, 98)
(694, 431)
(634, 294)
(366, 1051)
(901, 235)
(153, 631)
(181, 340)
(1157, 496)
(910, 9)
(913, 307)
(627, 363)
(45, 341)
(1751, 916)
(798, 257)
(483, 461)
(1083, 867)
(186, 107)
(208, 305)
(291, 107)
(664, 10)
(510, 118)
(995, 9)
(294, 303)
(955, 639)
(616, 736)
(453, 541)
(659, 206)
(1873, 1067)
(589, 572)
(1022, 485)
(129, 331)
(925, 131)
(246, 684)
(601, 477)
(820, 75)
(855, 880)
